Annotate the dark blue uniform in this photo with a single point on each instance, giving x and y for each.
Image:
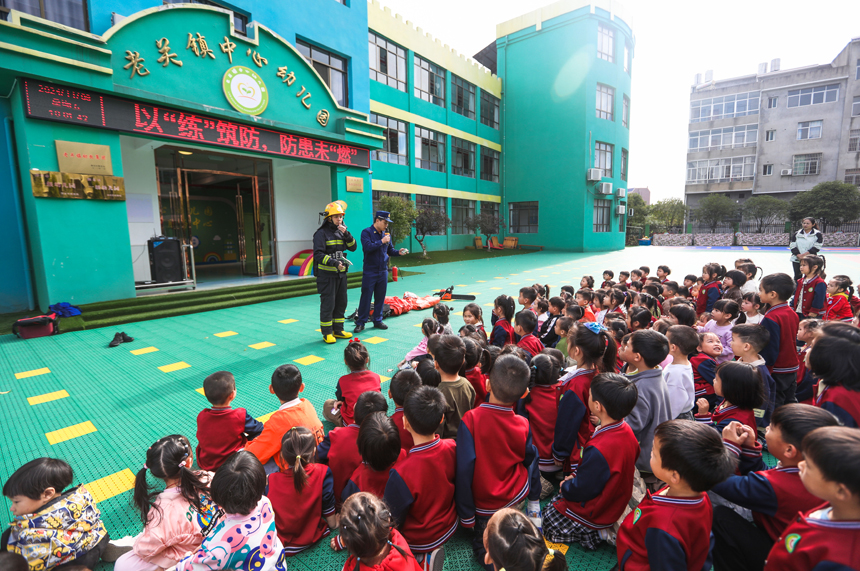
(374, 279)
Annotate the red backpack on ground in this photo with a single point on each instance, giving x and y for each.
(39, 326)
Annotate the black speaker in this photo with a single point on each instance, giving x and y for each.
(165, 259)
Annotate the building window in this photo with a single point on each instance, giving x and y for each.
(771, 102)
(523, 217)
(852, 176)
(429, 149)
(854, 140)
(725, 107)
(429, 82)
(857, 75)
(603, 157)
(605, 102)
(461, 210)
(490, 208)
(387, 62)
(489, 110)
(625, 112)
(462, 97)
(378, 194)
(332, 70)
(394, 148)
(767, 170)
(489, 164)
(72, 13)
(624, 164)
(813, 95)
(605, 43)
(424, 201)
(726, 138)
(626, 57)
(809, 130)
(770, 135)
(622, 218)
(602, 214)
(855, 107)
(721, 170)
(806, 164)
(462, 157)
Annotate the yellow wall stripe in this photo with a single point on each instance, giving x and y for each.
(144, 351)
(174, 367)
(110, 486)
(47, 397)
(70, 432)
(388, 110)
(407, 188)
(54, 57)
(33, 373)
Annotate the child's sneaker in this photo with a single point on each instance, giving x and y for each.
(434, 560)
(116, 548)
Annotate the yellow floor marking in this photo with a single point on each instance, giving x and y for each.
(47, 397)
(383, 378)
(527, 271)
(33, 373)
(374, 340)
(111, 486)
(458, 313)
(266, 417)
(262, 345)
(482, 281)
(544, 276)
(174, 367)
(226, 334)
(747, 249)
(287, 321)
(495, 288)
(489, 305)
(556, 272)
(309, 360)
(557, 546)
(70, 432)
(460, 285)
(143, 351)
(474, 293)
(515, 283)
(417, 325)
(201, 391)
(499, 278)
(513, 274)
(319, 330)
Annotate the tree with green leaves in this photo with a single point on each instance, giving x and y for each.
(485, 223)
(715, 208)
(636, 204)
(831, 202)
(402, 213)
(429, 221)
(669, 212)
(764, 209)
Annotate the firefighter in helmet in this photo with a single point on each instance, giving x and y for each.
(331, 241)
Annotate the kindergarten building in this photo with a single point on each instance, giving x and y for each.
(229, 127)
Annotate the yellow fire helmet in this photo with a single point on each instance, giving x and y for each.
(336, 207)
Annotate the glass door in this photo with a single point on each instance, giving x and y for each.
(246, 218)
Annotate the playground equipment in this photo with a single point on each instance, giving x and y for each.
(301, 264)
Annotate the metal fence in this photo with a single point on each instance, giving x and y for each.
(723, 228)
(753, 227)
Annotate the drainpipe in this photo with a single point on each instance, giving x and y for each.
(502, 203)
(16, 196)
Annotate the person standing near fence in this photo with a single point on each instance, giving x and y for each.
(807, 240)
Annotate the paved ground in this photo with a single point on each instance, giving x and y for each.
(71, 397)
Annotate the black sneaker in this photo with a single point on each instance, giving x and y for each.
(126, 338)
(380, 325)
(358, 328)
(117, 339)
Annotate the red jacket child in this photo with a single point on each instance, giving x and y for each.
(300, 516)
(838, 308)
(350, 387)
(810, 296)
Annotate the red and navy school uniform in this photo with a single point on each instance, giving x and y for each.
(810, 296)
(339, 449)
(843, 403)
(350, 387)
(855, 303)
(531, 344)
(773, 495)
(299, 516)
(541, 412)
(598, 494)
(605, 284)
(366, 479)
(708, 295)
(725, 413)
(667, 532)
(479, 382)
(420, 494)
(547, 335)
(399, 558)
(704, 373)
(503, 333)
(573, 428)
(405, 437)
(619, 365)
(664, 280)
(497, 463)
(615, 313)
(838, 308)
(814, 542)
(780, 354)
(806, 383)
(221, 431)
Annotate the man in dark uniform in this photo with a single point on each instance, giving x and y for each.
(376, 243)
(331, 240)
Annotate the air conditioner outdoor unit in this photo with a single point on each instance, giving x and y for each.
(620, 209)
(594, 174)
(621, 192)
(605, 188)
(785, 172)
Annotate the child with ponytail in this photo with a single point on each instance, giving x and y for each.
(541, 409)
(710, 292)
(503, 313)
(593, 348)
(811, 294)
(840, 290)
(339, 410)
(513, 543)
(176, 519)
(302, 496)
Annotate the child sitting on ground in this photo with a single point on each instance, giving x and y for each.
(608, 276)
(471, 370)
(742, 389)
(303, 496)
(663, 273)
(835, 360)
(429, 374)
(527, 297)
(723, 315)
(839, 293)
(503, 313)
(562, 329)
(222, 430)
(441, 313)
(474, 315)
(525, 323)
(294, 411)
(780, 320)
(52, 527)
(379, 446)
(592, 500)
(683, 341)
(683, 314)
(774, 495)
(584, 299)
(541, 307)
(420, 352)
(356, 357)
(246, 537)
(420, 489)
(827, 536)
(459, 394)
(402, 383)
(751, 306)
(497, 463)
(547, 334)
(705, 367)
(513, 543)
(747, 341)
(540, 408)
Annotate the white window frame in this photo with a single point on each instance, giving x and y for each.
(808, 95)
(767, 170)
(725, 107)
(807, 130)
(811, 163)
(855, 107)
(852, 176)
(736, 137)
(602, 215)
(395, 131)
(770, 135)
(461, 210)
(854, 140)
(377, 43)
(604, 105)
(627, 58)
(625, 112)
(424, 81)
(625, 163)
(605, 43)
(603, 157)
(772, 102)
(531, 209)
(730, 169)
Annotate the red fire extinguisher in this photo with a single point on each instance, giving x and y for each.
(394, 273)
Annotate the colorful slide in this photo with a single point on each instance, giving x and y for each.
(301, 264)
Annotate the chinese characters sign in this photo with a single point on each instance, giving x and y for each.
(70, 105)
(83, 158)
(79, 186)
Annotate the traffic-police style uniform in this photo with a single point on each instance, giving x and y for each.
(331, 279)
(374, 279)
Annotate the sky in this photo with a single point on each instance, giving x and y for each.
(675, 40)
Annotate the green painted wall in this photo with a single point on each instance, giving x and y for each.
(550, 126)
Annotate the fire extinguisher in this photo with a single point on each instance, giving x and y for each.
(394, 273)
